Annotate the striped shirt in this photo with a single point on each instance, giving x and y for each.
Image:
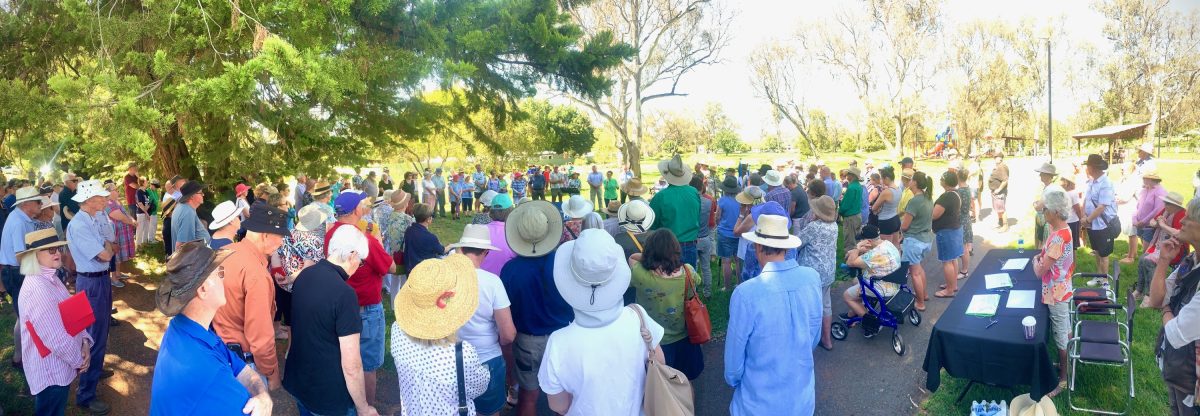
(41, 294)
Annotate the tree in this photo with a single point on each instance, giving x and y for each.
(772, 144)
(672, 133)
(727, 141)
(714, 121)
(775, 77)
(213, 89)
(561, 129)
(671, 37)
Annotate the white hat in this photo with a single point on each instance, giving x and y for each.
(486, 197)
(1146, 147)
(635, 216)
(1024, 405)
(47, 203)
(311, 218)
(674, 171)
(773, 178)
(223, 214)
(475, 236)
(591, 274)
(88, 189)
(26, 194)
(577, 207)
(772, 231)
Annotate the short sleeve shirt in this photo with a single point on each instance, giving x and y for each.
(921, 209)
(324, 308)
(86, 241)
(481, 330)
(195, 374)
(882, 261)
(1056, 283)
(950, 202)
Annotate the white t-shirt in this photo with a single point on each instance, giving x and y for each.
(481, 330)
(1075, 201)
(604, 368)
(243, 208)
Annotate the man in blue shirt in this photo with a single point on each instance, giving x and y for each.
(91, 253)
(1100, 214)
(439, 182)
(185, 223)
(833, 188)
(195, 374)
(26, 205)
(774, 324)
(479, 179)
(419, 243)
(595, 182)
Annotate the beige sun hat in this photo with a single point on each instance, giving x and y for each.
(1174, 198)
(823, 208)
(772, 231)
(635, 216)
(533, 229)
(1152, 173)
(312, 218)
(26, 194)
(1023, 405)
(749, 196)
(475, 236)
(438, 298)
(674, 171)
(773, 178)
(634, 187)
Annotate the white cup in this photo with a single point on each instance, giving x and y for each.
(1030, 325)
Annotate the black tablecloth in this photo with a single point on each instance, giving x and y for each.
(1000, 355)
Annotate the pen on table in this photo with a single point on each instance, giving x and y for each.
(993, 322)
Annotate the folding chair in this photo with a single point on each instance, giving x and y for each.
(1095, 296)
(1101, 343)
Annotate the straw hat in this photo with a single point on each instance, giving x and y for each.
(1023, 405)
(823, 208)
(438, 298)
(312, 218)
(1173, 198)
(749, 196)
(1152, 173)
(47, 203)
(576, 207)
(26, 194)
(321, 189)
(1047, 168)
(772, 231)
(613, 208)
(41, 240)
(223, 214)
(475, 236)
(635, 216)
(674, 171)
(773, 178)
(533, 228)
(634, 187)
(591, 273)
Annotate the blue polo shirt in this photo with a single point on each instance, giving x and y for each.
(195, 373)
(12, 240)
(537, 308)
(85, 238)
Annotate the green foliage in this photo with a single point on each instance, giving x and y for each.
(772, 144)
(727, 141)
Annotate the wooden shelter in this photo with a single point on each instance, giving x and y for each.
(1019, 141)
(1112, 134)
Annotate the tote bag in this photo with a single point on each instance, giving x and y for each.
(667, 391)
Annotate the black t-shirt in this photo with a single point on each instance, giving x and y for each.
(800, 198)
(951, 203)
(324, 308)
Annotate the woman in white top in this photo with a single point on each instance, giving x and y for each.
(597, 364)
(491, 327)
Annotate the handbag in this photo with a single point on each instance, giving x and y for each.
(695, 314)
(667, 391)
(463, 410)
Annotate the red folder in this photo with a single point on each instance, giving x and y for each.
(76, 313)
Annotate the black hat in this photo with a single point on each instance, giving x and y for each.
(266, 219)
(729, 186)
(46, 190)
(868, 232)
(1096, 161)
(190, 188)
(906, 160)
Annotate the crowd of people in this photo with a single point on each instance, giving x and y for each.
(563, 294)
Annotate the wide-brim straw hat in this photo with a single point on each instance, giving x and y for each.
(475, 236)
(1152, 173)
(1024, 405)
(27, 193)
(824, 209)
(612, 208)
(576, 207)
(1173, 198)
(533, 229)
(591, 272)
(750, 196)
(47, 203)
(635, 216)
(634, 187)
(311, 218)
(772, 231)
(674, 171)
(438, 298)
(41, 240)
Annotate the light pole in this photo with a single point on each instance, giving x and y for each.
(1049, 107)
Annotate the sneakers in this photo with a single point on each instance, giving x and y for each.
(1097, 281)
(96, 407)
(844, 316)
(118, 283)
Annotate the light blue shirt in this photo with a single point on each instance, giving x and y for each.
(186, 225)
(595, 179)
(85, 238)
(866, 206)
(12, 239)
(1101, 192)
(833, 188)
(774, 324)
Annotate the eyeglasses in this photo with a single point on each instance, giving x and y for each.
(54, 250)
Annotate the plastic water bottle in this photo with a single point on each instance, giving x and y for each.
(1021, 245)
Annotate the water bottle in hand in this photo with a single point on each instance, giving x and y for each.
(1021, 245)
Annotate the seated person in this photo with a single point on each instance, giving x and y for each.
(877, 258)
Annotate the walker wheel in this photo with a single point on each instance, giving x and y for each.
(838, 330)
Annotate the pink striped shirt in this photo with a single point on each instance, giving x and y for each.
(40, 296)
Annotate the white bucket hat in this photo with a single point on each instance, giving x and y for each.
(88, 189)
(533, 228)
(223, 214)
(486, 197)
(773, 178)
(772, 231)
(674, 171)
(635, 216)
(1147, 148)
(577, 207)
(591, 274)
(475, 236)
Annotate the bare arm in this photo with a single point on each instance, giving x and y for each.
(1167, 250)
(504, 323)
(560, 403)
(905, 221)
(744, 224)
(352, 370)
(260, 398)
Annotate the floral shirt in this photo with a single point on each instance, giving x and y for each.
(1056, 283)
(394, 226)
(819, 249)
(301, 246)
(882, 261)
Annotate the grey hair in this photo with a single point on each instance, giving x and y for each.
(592, 220)
(1193, 210)
(344, 242)
(1056, 201)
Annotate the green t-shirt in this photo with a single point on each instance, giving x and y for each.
(610, 188)
(677, 208)
(921, 209)
(663, 299)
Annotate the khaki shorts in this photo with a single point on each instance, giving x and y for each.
(527, 356)
(1060, 323)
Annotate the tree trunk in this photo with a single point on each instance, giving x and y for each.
(899, 148)
(171, 154)
(1154, 112)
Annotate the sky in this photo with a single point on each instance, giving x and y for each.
(758, 21)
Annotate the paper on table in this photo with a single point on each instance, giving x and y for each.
(998, 281)
(983, 305)
(1020, 299)
(1015, 264)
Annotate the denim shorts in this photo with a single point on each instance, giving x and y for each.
(496, 395)
(914, 250)
(726, 246)
(371, 340)
(950, 244)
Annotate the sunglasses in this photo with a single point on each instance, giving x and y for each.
(54, 250)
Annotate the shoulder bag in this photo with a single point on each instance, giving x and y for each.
(463, 410)
(667, 391)
(695, 314)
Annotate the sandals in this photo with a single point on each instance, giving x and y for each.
(942, 294)
(962, 276)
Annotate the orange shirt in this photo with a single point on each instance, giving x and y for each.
(249, 307)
